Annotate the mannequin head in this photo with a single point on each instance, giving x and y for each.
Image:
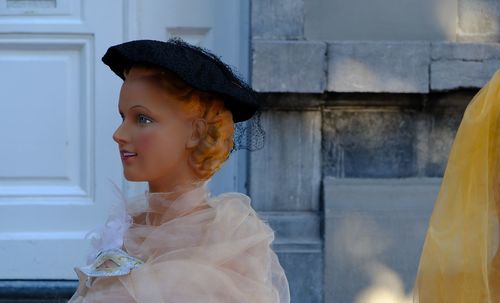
(178, 135)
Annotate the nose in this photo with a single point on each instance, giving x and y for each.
(119, 135)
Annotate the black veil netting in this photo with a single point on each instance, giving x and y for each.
(249, 134)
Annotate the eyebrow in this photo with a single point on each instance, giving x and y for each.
(137, 106)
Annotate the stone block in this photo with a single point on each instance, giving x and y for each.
(465, 51)
(305, 275)
(289, 66)
(381, 20)
(458, 74)
(394, 67)
(443, 126)
(463, 65)
(292, 101)
(286, 173)
(295, 229)
(369, 143)
(437, 129)
(478, 20)
(277, 19)
(299, 246)
(374, 229)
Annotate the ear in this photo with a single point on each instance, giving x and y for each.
(198, 130)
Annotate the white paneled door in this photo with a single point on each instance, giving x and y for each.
(58, 108)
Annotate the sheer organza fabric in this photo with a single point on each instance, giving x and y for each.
(460, 260)
(196, 248)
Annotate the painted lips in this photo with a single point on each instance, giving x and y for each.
(125, 155)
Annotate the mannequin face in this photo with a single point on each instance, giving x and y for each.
(155, 135)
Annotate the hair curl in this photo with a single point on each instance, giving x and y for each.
(217, 142)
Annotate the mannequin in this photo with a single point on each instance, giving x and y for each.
(182, 245)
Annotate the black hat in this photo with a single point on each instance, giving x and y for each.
(196, 66)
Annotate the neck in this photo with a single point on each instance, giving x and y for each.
(164, 204)
(173, 190)
(174, 183)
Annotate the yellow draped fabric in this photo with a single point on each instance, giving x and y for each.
(460, 261)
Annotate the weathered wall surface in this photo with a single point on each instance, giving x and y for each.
(380, 20)
(358, 135)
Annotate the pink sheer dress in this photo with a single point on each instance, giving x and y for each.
(192, 248)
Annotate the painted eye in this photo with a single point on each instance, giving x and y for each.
(144, 119)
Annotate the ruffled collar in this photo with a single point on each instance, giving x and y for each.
(164, 206)
(159, 206)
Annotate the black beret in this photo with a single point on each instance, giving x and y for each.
(194, 65)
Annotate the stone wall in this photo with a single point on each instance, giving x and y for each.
(358, 135)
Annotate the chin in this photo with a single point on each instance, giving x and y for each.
(134, 177)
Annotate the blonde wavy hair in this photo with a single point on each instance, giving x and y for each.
(217, 142)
